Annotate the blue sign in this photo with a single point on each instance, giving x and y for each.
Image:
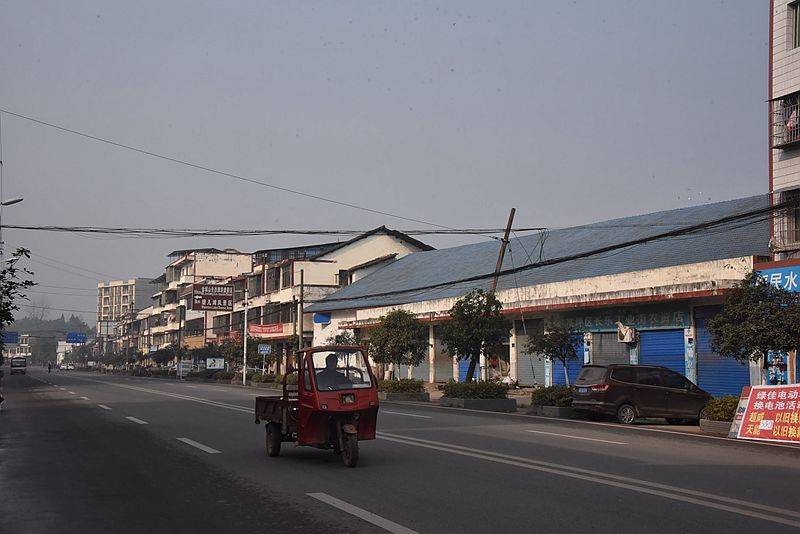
(322, 318)
(76, 337)
(264, 349)
(12, 338)
(786, 277)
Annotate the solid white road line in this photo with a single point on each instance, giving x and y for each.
(103, 406)
(746, 508)
(135, 420)
(369, 517)
(204, 448)
(408, 414)
(576, 437)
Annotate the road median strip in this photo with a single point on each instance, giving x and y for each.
(708, 500)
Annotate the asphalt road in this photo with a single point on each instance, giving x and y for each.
(81, 452)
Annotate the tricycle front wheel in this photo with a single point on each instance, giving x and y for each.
(350, 449)
(273, 439)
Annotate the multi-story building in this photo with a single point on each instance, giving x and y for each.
(784, 122)
(167, 318)
(118, 298)
(23, 348)
(282, 279)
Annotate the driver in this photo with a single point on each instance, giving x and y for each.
(330, 377)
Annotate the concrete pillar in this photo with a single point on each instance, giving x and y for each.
(431, 354)
(512, 353)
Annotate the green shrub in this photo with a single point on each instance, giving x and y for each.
(552, 396)
(721, 408)
(475, 390)
(223, 375)
(404, 385)
(267, 377)
(291, 380)
(203, 373)
(159, 371)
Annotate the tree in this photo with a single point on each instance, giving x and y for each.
(557, 342)
(345, 337)
(476, 326)
(756, 318)
(398, 339)
(13, 283)
(231, 350)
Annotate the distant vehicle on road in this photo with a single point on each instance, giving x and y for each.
(67, 367)
(632, 391)
(19, 365)
(333, 404)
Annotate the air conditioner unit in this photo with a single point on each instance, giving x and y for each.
(625, 334)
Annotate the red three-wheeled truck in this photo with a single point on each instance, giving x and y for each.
(333, 404)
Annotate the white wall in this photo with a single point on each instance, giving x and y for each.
(785, 80)
(208, 264)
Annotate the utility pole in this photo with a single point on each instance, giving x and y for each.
(503, 245)
(244, 343)
(300, 313)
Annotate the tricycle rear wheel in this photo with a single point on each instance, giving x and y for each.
(350, 449)
(273, 439)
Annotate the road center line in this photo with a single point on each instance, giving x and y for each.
(408, 414)
(103, 406)
(204, 448)
(642, 486)
(369, 517)
(135, 420)
(576, 437)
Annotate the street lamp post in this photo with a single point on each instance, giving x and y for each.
(244, 342)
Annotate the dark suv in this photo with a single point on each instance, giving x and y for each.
(631, 391)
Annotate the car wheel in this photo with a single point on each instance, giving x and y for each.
(273, 439)
(626, 414)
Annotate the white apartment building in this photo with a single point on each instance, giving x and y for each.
(118, 298)
(784, 121)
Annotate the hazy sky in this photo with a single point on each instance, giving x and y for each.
(571, 111)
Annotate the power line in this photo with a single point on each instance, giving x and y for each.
(70, 265)
(67, 287)
(216, 171)
(171, 233)
(61, 269)
(60, 294)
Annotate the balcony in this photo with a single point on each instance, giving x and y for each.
(785, 121)
(786, 236)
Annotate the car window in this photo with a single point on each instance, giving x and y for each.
(623, 374)
(671, 379)
(591, 375)
(647, 376)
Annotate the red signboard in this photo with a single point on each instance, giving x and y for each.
(772, 414)
(212, 297)
(261, 329)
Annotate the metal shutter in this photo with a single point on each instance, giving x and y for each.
(463, 368)
(607, 350)
(663, 347)
(716, 374)
(530, 367)
(573, 368)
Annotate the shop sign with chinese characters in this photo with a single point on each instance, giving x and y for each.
(772, 414)
(786, 277)
(212, 297)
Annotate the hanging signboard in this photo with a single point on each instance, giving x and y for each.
(212, 297)
(772, 414)
(11, 338)
(264, 329)
(264, 349)
(76, 337)
(215, 363)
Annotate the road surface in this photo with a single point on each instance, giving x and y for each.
(82, 452)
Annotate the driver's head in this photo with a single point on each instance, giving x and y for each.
(330, 361)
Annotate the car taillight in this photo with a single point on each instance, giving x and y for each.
(601, 387)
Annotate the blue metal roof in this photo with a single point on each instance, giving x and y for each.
(431, 267)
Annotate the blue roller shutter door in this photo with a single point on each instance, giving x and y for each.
(664, 348)
(573, 368)
(715, 374)
(463, 367)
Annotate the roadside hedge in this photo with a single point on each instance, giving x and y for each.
(291, 380)
(404, 385)
(721, 408)
(159, 371)
(267, 377)
(552, 396)
(223, 375)
(475, 390)
(204, 373)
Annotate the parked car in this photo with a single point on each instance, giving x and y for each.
(632, 391)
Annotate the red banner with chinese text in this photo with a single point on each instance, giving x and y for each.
(772, 414)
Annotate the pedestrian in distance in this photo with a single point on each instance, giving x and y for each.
(49, 366)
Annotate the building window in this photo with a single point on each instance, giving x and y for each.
(787, 222)
(286, 276)
(785, 120)
(793, 16)
(343, 277)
